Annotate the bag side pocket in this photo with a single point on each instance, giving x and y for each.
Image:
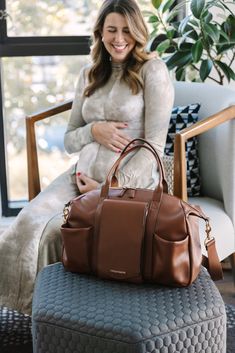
(171, 262)
(76, 249)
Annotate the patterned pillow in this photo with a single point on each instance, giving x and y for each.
(182, 117)
(168, 164)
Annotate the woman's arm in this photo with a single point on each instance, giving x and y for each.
(158, 102)
(78, 132)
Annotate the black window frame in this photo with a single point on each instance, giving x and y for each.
(28, 46)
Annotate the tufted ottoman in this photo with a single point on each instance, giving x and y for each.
(82, 314)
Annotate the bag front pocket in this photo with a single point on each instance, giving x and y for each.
(171, 261)
(76, 249)
(120, 240)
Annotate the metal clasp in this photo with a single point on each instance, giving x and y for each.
(66, 212)
(208, 233)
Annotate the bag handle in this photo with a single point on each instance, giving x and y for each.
(110, 179)
(114, 180)
(145, 142)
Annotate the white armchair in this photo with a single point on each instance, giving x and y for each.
(216, 133)
(216, 152)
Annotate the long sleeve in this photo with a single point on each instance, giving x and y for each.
(78, 133)
(158, 101)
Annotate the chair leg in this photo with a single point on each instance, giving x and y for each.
(232, 261)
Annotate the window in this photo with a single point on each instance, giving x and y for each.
(39, 66)
(43, 44)
(54, 17)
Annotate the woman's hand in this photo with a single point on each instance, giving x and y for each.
(85, 183)
(110, 135)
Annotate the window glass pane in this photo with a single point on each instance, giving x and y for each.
(32, 84)
(54, 17)
(51, 17)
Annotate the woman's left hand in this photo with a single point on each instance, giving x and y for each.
(85, 183)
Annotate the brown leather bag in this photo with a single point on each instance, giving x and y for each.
(135, 235)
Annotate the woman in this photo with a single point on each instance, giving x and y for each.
(125, 93)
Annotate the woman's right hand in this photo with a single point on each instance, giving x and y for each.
(110, 135)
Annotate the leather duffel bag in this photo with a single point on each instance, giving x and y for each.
(136, 235)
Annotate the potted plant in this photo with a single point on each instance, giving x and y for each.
(198, 43)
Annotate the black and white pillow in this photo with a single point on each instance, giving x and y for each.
(182, 117)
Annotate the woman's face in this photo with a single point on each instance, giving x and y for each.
(117, 38)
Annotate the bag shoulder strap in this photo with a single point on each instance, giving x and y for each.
(211, 262)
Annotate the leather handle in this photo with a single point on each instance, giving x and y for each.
(155, 153)
(114, 181)
(162, 185)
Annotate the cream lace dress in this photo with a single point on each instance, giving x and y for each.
(33, 240)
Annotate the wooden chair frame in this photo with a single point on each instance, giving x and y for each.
(180, 184)
(31, 145)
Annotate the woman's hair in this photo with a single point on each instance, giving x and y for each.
(101, 69)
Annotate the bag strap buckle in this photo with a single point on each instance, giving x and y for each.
(209, 238)
(66, 212)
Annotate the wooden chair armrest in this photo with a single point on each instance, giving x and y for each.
(31, 146)
(180, 182)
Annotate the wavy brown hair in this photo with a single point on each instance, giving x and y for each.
(101, 69)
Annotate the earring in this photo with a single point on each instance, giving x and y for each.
(102, 39)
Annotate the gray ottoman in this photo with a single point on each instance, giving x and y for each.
(82, 314)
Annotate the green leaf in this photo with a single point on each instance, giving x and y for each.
(185, 46)
(194, 22)
(197, 7)
(223, 48)
(170, 33)
(183, 24)
(207, 16)
(205, 69)
(230, 26)
(197, 50)
(212, 31)
(182, 43)
(225, 36)
(153, 19)
(156, 3)
(180, 74)
(175, 25)
(167, 5)
(163, 46)
(149, 44)
(171, 15)
(178, 59)
(193, 35)
(153, 34)
(229, 73)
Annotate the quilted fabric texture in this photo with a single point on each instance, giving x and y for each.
(182, 117)
(82, 314)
